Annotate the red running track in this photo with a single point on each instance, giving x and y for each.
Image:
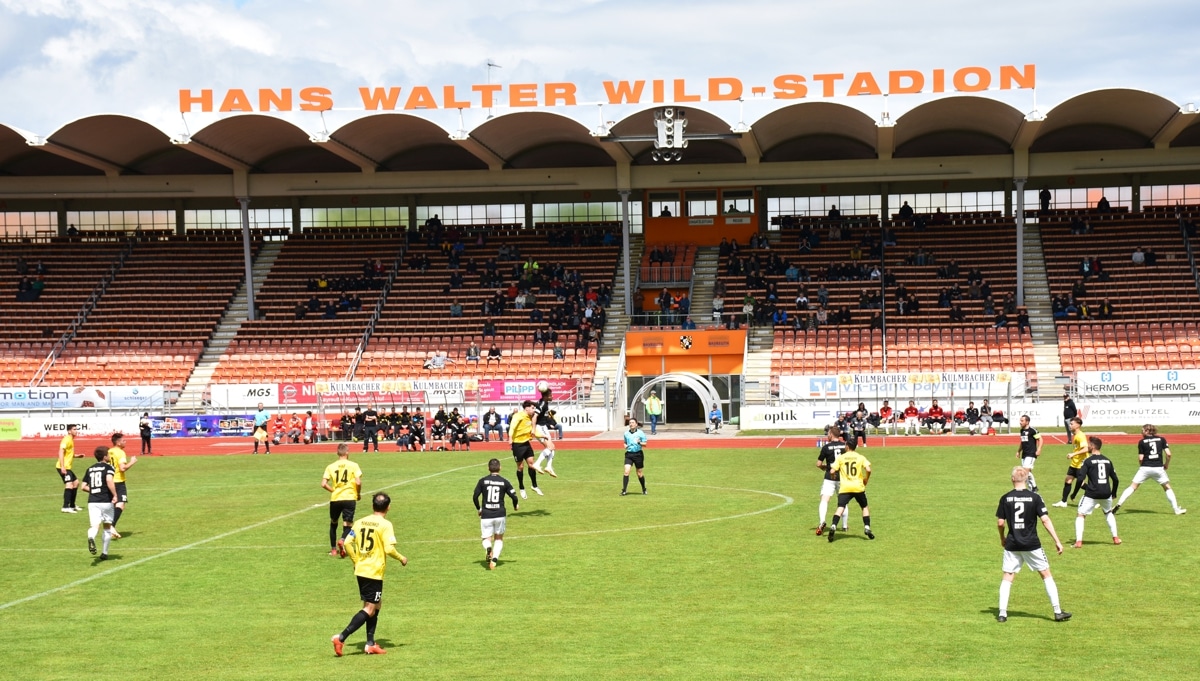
(228, 446)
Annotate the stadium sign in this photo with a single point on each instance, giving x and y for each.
(522, 389)
(913, 385)
(1168, 382)
(785, 86)
(86, 397)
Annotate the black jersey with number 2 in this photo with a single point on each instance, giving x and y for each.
(97, 480)
(1100, 477)
(829, 453)
(1151, 449)
(1021, 509)
(493, 489)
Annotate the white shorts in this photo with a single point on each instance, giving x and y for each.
(541, 433)
(100, 514)
(488, 527)
(829, 488)
(1088, 504)
(1036, 560)
(1156, 473)
(1028, 462)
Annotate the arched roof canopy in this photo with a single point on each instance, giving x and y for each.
(1189, 136)
(1103, 120)
(133, 145)
(270, 145)
(537, 139)
(816, 131)
(19, 159)
(957, 126)
(403, 142)
(700, 151)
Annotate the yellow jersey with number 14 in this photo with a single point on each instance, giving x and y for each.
(1079, 449)
(342, 476)
(374, 540)
(851, 470)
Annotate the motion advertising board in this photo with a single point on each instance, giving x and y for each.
(24, 398)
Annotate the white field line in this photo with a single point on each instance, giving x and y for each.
(202, 542)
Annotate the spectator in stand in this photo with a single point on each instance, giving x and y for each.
(493, 354)
(1079, 289)
(779, 317)
(689, 325)
(957, 314)
(1105, 311)
(331, 310)
(1001, 320)
(473, 352)
(437, 360)
(493, 423)
(1084, 310)
(989, 307)
(1139, 258)
(906, 212)
(823, 295)
(456, 309)
(300, 312)
(822, 316)
(559, 351)
(835, 214)
(1022, 320)
(489, 329)
(1044, 198)
(877, 321)
(539, 337)
(1103, 206)
(1151, 257)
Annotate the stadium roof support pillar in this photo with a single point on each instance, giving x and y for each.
(244, 202)
(1135, 194)
(884, 208)
(527, 198)
(296, 215)
(625, 251)
(1020, 186)
(885, 144)
(180, 221)
(60, 210)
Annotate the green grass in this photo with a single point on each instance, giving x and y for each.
(581, 590)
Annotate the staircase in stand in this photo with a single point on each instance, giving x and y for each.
(704, 280)
(756, 370)
(608, 354)
(1041, 318)
(192, 399)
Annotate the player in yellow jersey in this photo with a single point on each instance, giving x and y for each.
(520, 432)
(66, 458)
(343, 480)
(369, 544)
(852, 471)
(1079, 452)
(121, 462)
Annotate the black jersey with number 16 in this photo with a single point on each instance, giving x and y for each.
(829, 453)
(493, 489)
(1021, 509)
(97, 481)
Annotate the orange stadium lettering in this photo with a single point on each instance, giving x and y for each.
(637, 92)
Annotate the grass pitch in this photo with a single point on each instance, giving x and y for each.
(224, 573)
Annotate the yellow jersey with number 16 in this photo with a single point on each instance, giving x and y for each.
(851, 470)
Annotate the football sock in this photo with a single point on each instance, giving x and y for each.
(1032, 482)
(1129, 492)
(521, 478)
(346, 530)
(74, 496)
(1171, 498)
(549, 454)
(359, 619)
(117, 516)
(256, 446)
(487, 543)
(1066, 491)
(496, 548)
(1112, 522)
(1078, 484)
(1052, 592)
(1005, 590)
(371, 622)
(822, 509)
(107, 539)
(92, 532)
(625, 483)
(532, 477)
(867, 523)
(67, 498)
(836, 518)
(1078, 528)
(332, 535)
(642, 479)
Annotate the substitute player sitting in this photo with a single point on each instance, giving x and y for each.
(853, 471)
(1022, 545)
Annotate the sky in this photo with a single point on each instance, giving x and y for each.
(61, 60)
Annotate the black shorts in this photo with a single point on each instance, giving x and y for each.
(522, 451)
(370, 590)
(635, 459)
(69, 476)
(1073, 472)
(345, 509)
(845, 498)
(122, 496)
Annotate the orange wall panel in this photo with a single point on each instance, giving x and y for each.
(705, 231)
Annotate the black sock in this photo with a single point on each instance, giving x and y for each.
(867, 522)
(642, 479)
(521, 478)
(346, 530)
(1078, 484)
(371, 629)
(74, 495)
(332, 535)
(117, 516)
(625, 483)
(357, 621)
(1066, 491)
(836, 518)
(67, 503)
(256, 446)
(532, 477)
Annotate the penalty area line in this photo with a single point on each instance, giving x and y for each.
(202, 542)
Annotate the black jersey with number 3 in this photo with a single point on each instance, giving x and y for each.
(97, 481)
(1100, 477)
(1021, 509)
(1151, 449)
(493, 489)
(829, 453)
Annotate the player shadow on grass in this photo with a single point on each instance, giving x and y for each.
(101, 561)
(843, 535)
(499, 563)
(384, 643)
(536, 512)
(1017, 613)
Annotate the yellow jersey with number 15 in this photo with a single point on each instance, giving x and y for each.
(342, 475)
(851, 470)
(374, 540)
(1079, 449)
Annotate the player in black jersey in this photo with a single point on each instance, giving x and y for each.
(1154, 458)
(542, 421)
(1029, 449)
(1020, 509)
(829, 486)
(458, 432)
(102, 491)
(492, 516)
(1100, 485)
